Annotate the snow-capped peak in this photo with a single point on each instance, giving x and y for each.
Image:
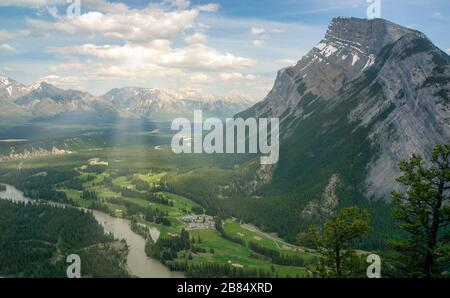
(4, 81)
(35, 86)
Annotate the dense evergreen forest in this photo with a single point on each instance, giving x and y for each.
(35, 241)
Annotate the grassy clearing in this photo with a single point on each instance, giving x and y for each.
(227, 252)
(180, 202)
(234, 228)
(151, 179)
(75, 196)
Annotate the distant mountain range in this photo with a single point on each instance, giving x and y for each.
(369, 94)
(158, 104)
(43, 101)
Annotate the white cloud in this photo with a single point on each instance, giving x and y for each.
(53, 11)
(134, 26)
(6, 48)
(232, 76)
(143, 46)
(160, 52)
(286, 61)
(114, 71)
(226, 76)
(195, 38)
(448, 51)
(99, 5)
(211, 7)
(258, 43)
(257, 30)
(200, 78)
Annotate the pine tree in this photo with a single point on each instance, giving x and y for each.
(424, 212)
(337, 258)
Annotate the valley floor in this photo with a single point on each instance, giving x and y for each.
(134, 182)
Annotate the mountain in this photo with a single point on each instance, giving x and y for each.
(369, 94)
(45, 102)
(164, 105)
(43, 91)
(11, 89)
(10, 113)
(49, 103)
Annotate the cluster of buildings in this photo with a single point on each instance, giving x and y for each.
(198, 222)
(34, 153)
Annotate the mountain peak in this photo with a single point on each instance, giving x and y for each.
(367, 36)
(4, 81)
(10, 89)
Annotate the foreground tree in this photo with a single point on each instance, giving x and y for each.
(333, 242)
(424, 212)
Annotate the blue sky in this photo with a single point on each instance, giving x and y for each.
(223, 47)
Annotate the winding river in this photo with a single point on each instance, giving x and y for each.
(137, 261)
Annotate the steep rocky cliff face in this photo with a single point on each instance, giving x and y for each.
(368, 95)
(350, 47)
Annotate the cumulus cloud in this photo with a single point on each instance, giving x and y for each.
(135, 26)
(195, 38)
(162, 43)
(257, 30)
(160, 52)
(6, 48)
(211, 7)
(141, 44)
